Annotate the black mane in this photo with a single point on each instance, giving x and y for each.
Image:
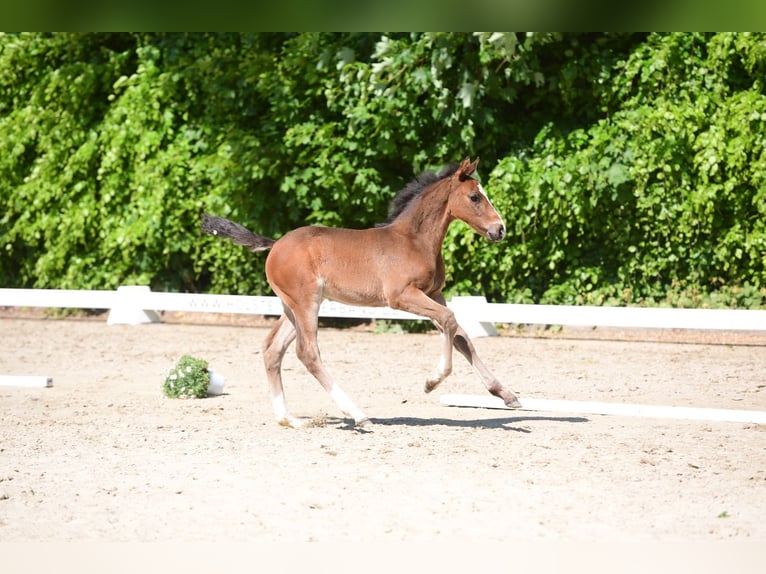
(414, 188)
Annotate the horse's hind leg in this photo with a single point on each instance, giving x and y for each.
(306, 323)
(415, 301)
(274, 347)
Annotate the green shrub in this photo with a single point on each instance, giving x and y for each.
(189, 379)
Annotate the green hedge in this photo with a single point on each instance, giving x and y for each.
(629, 168)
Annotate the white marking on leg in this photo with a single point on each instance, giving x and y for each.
(280, 407)
(445, 360)
(441, 368)
(280, 412)
(346, 405)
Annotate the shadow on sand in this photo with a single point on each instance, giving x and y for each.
(516, 423)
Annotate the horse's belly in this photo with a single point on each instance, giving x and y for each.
(362, 291)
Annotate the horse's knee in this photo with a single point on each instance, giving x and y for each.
(448, 323)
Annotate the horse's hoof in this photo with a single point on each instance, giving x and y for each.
(513, 403)
(364, 424)
(431, 385)
(290, 422)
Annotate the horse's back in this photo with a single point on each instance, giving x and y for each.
(347, 265)
(316, 239)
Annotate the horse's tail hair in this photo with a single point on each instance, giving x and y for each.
(223, 227)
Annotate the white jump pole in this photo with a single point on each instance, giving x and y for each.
(619, 409)
(25, 381)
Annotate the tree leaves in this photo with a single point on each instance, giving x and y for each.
(629, 167)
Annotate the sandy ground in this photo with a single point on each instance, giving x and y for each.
(103, 456)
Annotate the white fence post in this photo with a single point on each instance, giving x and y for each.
(127, 309)
(467, 312)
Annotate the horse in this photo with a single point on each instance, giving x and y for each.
(396, 264)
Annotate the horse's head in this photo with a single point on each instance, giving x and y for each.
(469, 202)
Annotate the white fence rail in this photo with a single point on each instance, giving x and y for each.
(135, 304)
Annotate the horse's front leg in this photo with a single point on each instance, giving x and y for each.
(444, 367)
(463, 344)
(415, 301)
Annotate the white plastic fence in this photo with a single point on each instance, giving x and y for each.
(138, 304)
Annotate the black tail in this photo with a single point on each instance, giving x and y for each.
(222, 227)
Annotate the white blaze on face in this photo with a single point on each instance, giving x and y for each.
(484, 193)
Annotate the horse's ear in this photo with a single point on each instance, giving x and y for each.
(467, 168)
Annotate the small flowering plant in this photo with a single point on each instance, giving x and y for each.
(189, 379)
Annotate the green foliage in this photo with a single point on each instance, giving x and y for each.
(189, 379)
(629, 168)
(660, 202)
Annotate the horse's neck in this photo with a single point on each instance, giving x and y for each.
(427, 220)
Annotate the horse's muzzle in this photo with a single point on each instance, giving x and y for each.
(496, 232)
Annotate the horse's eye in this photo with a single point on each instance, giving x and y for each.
(475, 198)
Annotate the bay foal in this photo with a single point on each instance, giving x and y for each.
(396, 264)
